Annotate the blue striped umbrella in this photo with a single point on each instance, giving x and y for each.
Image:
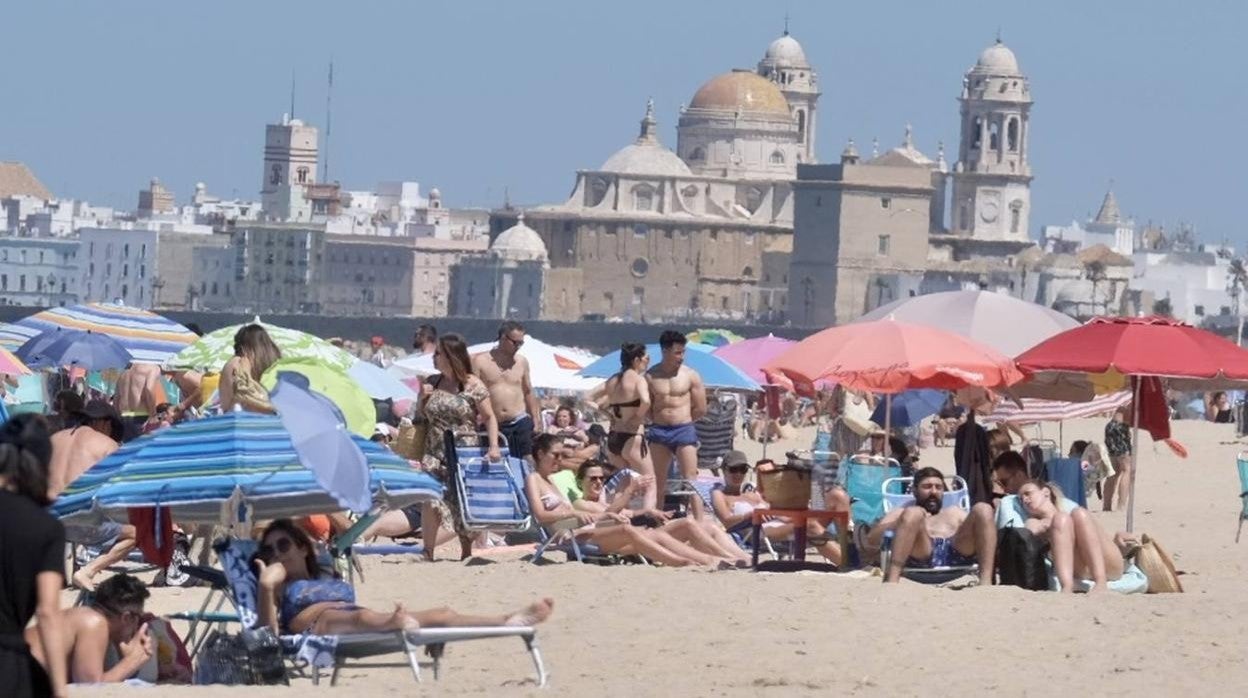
(195, 468)
(148, 336)
(67, 348)
(715, 372)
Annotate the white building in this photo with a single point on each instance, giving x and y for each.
(1195, 282)
(117, 265)
(1109, 228)
(38, 272)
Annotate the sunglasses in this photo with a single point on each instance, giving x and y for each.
(739, 469)
(516, 342)
(281, 547)
(595, 478)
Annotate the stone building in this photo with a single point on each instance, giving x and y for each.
(702, 232)
(506, 282)
(155, 200)
(278, 267)
(290, 160)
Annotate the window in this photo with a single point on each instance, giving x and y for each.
(125, 250)
(1011, 136)
(640, 230)
(818, 201)
(885, 202)
(643, 198)
(1015, 220)
(640, 267)
(748, 272)
(41, 256)
(302, 174)
(143, 251)
(1200, 309)
(4, 282)
(883, 246)
(777, 157)
(977, 128)
(801, 128)
(697, 155)
(125, 290)
(994, 136)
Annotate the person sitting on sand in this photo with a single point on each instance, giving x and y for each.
(929, 535)
(610, 531)
(1070, 529)
(1094, 555)
(112, 620)
(702, 533)
(735, 502)
(565, 426)
(296, 596)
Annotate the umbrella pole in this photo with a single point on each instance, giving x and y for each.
(888, 423)
(1135, 454)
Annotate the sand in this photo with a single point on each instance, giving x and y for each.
(645, 631)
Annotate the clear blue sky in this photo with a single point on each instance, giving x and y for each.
(473, 97)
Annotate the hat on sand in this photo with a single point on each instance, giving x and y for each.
(734, 458)
(102, 409)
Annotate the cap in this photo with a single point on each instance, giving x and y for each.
(103, 409)
(734, 458)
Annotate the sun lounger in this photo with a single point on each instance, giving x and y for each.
(863, 478)
(320, 652)
(896, 494)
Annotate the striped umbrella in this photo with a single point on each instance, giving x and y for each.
(210, 352)
(199, 468)
(11, 365)
(1036, 410)
(149, 337)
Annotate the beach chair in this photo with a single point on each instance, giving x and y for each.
(490, 495)
(863, 478)
(1067, 473)
(896, 493)
(319, 652)
(1241, 463)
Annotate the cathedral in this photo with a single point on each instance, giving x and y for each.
(740, 221)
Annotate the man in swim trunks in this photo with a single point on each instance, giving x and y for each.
(677, 400)
(929, 535)
(506, 375)
(138, 393)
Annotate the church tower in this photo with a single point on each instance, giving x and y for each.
(992, 178)
(290, 158)
(785, 64)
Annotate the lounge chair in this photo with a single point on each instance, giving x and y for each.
(1241, 463)
(896, 494)
(318, 652)
(1067, 473)
(491, 495)
(863, 478)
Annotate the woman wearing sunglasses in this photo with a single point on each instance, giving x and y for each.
(296, 596)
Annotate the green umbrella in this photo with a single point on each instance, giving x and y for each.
(211, 351)
(338, 387)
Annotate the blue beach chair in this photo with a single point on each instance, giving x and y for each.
(1241, 463)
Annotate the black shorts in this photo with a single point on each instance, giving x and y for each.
(519, 435)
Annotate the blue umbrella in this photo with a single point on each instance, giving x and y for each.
(910, 408)
(318, 431)
(715, 372)
(197, 468)
(83, 348)
(379, 383)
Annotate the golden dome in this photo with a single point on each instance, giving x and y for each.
(741, 89)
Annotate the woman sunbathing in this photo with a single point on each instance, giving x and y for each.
(1093, 555)
(296, 596)
(609, 530)
(704, 535)
(736, 501)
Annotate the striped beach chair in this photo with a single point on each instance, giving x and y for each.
(490, 495)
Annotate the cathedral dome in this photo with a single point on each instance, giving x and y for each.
(998, 59)
(744, 90)
(520, 243)
(645, 159)
(787, 52)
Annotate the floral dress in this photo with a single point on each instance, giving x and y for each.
(457, 413)
(1118, 438)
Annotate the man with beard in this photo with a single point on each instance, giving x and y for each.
(928, 535)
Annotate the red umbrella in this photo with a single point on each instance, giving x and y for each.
(886, 356)
(1148, 346)
(1140, 347)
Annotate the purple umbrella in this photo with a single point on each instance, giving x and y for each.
(74, 348)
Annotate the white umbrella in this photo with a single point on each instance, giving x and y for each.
(550, 367)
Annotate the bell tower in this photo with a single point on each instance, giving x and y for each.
(785, 64)
(992, 177)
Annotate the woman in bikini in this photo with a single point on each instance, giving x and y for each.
(609, 530)
(254, 353)
(296, 596)
(1101, 560)
(627, 397)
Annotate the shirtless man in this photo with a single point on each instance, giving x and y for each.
(74, 451)
(113, 618)
(928, 534)
(136, 398)
(506, 375)
(677, 400)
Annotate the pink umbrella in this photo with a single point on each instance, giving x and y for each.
(751, 355)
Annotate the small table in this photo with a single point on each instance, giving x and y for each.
(799, 519)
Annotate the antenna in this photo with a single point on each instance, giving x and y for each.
(329, 110)
(292, 93)
(786, 23)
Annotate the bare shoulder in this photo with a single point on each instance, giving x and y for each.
(690, 373)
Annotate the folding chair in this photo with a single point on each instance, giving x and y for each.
(896, 494)
(1241, 463)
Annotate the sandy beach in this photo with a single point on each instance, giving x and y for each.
(637, 630)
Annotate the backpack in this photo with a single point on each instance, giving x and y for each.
(1021, 559)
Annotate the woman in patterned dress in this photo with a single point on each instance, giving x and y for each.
(454, 401)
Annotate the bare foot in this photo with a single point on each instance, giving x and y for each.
(83, 581)
(535, 613)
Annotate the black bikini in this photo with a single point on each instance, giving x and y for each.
(617, 440)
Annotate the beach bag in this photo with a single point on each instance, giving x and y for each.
(250, 658)
(1155, 562)
(410, 442)
(1020, 559)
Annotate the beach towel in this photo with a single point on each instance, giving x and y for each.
(154, 534)
(970, 453)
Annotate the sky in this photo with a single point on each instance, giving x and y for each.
(480, 98)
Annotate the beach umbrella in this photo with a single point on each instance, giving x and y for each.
(550, 367)
(11, 365)
(200, 469)
(74, 349)
(909, 408)
(1152, 347)
(751, 355)
(380, 383)
(351, 400)
(1033, 410)
(317, 431)
(715, 372)
(150, 338)
(715, 338)
(1004, 323)
(213, 350)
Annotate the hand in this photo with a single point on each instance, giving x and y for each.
(494, 455)
(657, 514)
(586, 518)
(640, 483)
(618, 517)
(138, 647)
(269, 576)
